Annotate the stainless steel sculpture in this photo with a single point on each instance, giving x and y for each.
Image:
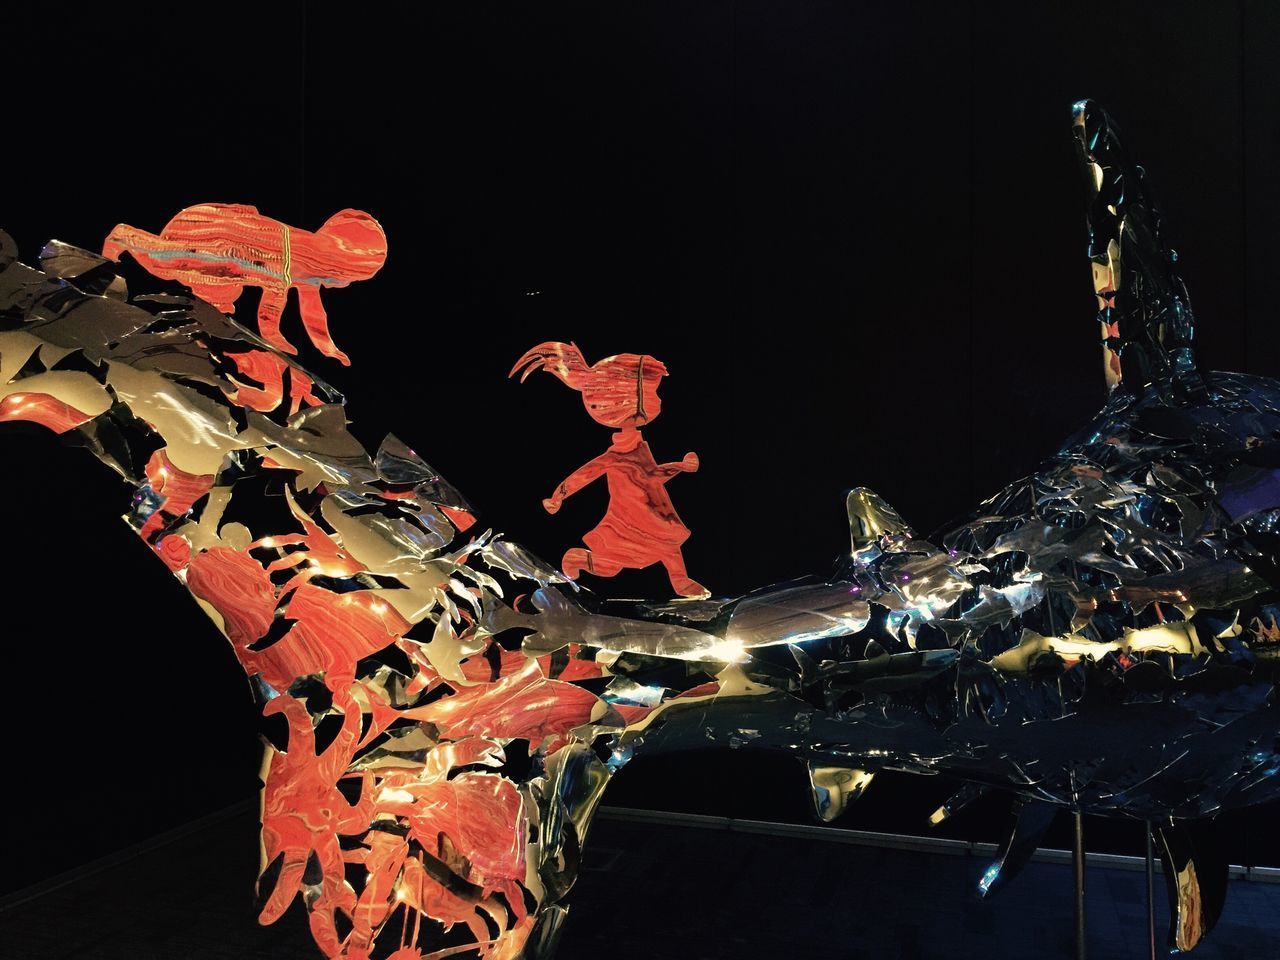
(1100, 636)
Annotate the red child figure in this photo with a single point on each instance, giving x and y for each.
(641, 526)
(218, 249)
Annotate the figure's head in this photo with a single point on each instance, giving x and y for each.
(620, 391)
(360, 244)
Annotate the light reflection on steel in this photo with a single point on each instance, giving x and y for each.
(1101, 636)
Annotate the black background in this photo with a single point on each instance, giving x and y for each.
(853, 232)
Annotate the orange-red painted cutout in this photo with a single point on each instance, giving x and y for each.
(42, 409)
(218, 249)
(641, 526)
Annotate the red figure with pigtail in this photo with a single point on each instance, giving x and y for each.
(641, 526)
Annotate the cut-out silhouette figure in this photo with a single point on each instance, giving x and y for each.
(218, 249)
(641, 526)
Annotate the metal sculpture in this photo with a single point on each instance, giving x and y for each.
(1100, 636)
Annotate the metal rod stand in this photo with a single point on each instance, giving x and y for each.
(1077, 861)
(1151, 891)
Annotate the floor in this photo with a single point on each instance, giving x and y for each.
(647, 891)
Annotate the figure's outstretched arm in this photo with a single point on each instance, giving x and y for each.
(576, 481)
(689, 464)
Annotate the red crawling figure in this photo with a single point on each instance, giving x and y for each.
(218, 249)
(641, 526)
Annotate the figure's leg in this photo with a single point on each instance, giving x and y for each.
(300, 392)
(574, 561)
(222, 296)
(316, 322)
(124, 237)
(578, 559)
(269, 310)
(113, 247)
(680, 581)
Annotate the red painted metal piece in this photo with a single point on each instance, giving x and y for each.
(218, 249)
(640, 526)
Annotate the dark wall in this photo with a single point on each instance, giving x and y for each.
(853, 232)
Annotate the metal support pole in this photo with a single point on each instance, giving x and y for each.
(1151, 891)
(1077, 861)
